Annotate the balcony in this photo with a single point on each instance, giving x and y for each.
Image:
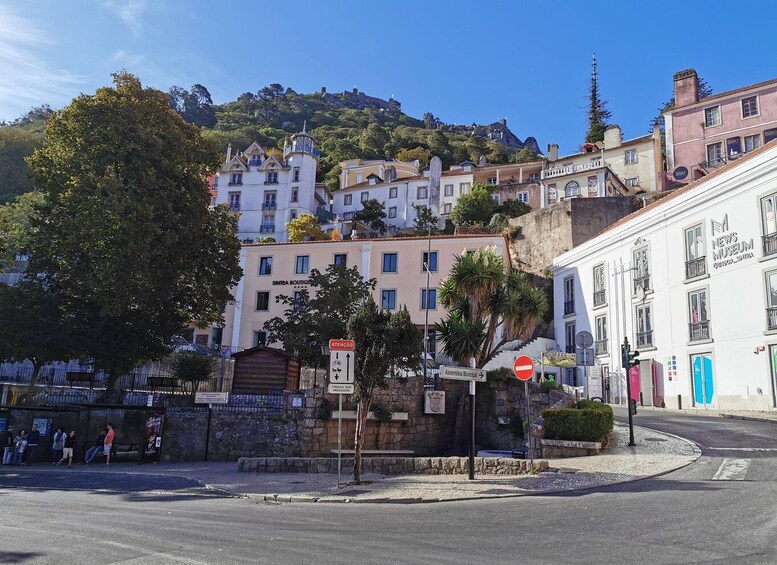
(644, 340)
(235, 207)
(267, 228)
(571, 169)
(719, 162)
(600, 347)
(569, 308)
(699, 331)
(271, 181)
(696, 268)
(269, 206)
(642, 282)
(771, 318)
(600, 297)
(770, 244)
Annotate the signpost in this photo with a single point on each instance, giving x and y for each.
(210, 398)
(524, 371)
(473, 376)
(342, 364)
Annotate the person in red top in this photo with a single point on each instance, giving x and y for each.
(108, 444)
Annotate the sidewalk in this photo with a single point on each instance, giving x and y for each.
(656, 453)
(753, 415)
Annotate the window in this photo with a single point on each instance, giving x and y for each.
(431, 347)
(552, 193)
(262, 301)
(644, 326)
(600, 286)
(715, 154)
(365, 196)
(600, 344)
(303, 265)
(464, 187)
(571, 190)
(769, 224)
(272, 177)
(569, 334)
(297, 303)
(534, 177)
(492, 180)
(260, 338)
(432, 299)
(632, 182)
(295, 175)
(431, 260)
(752, 142)
(495, 197)
(630, 157)
(234, 201)
(294, 194)
(749, 107)
(255, 159)
(771, 300)
(698, 315)
(341, 259)
(348, 199)
(422, 193)
(641, 266)
(569, 296)
(393, 192)
(447, 208)
(448, 190)
(270, 200)
(389, 262)
(268, 223)
(392, 212)
(712, 116)
(347, 215)
(292, 215)
(388, 299)
(695, 264)
(522, 197)
(236, 178)
(265, 265)
(359, 177)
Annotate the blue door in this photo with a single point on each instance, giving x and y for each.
(703, 383)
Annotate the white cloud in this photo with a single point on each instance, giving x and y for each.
(26, 78)
(130, 11)
(127, 59)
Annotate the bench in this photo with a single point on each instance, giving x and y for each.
(376, 452)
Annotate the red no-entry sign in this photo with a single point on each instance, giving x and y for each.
(523, 368)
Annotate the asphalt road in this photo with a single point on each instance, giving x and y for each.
(688, 516)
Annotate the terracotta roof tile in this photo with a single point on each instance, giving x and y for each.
(411, 238)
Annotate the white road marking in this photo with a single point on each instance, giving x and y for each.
(732, 470)
(743, 448)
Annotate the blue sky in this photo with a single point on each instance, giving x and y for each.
(464, 61)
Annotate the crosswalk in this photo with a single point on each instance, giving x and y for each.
(732, 470)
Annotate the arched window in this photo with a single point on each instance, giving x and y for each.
(571, 190)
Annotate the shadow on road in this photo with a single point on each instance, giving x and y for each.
(18, 557)
(643, 485)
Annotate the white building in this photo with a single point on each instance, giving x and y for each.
(700, 300)
(269, 192)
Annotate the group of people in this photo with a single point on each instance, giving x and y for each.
(18, 448)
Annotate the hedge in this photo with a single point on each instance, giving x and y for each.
(591, 421)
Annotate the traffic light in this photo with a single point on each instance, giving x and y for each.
(629, 358)
(633, 359)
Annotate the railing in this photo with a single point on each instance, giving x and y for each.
(719, 162)
(267, 228)
(236, 183)
(771, 318)
(271, 181)
(699, 330)
(570, 169)
(643, 282)
(645, 339)
(770, 244)
(600, 297)
(600, 347)
(569, 307)
(234, 207)
(696, 268)
(269, 206)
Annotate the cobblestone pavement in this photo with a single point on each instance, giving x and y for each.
(655, 453)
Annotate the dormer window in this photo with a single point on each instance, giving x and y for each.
(372, 180)
(255, 160)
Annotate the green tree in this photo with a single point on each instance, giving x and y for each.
(373, 141)
(525, 155)
(305, 227)
(16, 143)
(421, 154)
(474, 208)
(320, 313)
(513, 208)
(372, 214)
(598, 114)
(388, 345)
(425, 220)
(15, 226)
(195, 105)
(126, 241)
(482, 298)
(191, 369)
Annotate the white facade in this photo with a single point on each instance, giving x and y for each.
(268, 192)
(700, 300)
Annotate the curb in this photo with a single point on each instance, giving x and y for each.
(748, 418)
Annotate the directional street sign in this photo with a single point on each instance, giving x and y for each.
(336, 388)
(341, 367)
(462, 374)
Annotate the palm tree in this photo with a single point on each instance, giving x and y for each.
(481, 297)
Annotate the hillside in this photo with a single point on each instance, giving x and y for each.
(347, 125)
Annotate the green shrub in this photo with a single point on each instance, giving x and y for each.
(573, 424)
(381, 412)
(324, 411)
(546, 386)
(499, 376)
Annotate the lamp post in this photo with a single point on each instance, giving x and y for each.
(426, 304)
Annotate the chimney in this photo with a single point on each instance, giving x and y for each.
(229, 152)
(553, 152)
(613, 137)
(686, 88)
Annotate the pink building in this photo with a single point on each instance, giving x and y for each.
(704, 134)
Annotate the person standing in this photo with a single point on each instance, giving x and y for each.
(32, 442)
(69, 447)
(58, 444)
(19, 443)
(96, 448)
(108, 444)
(8, 446)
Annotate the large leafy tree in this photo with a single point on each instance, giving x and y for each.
(125, 240)
(372, 214)
(481, 297)
(387, 345)
(474, 208)
(15, 226)
(305, 227)
(425, 220)
(195, 105)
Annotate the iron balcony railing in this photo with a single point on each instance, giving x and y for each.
(770, 244)
(699, 330)
(600, 347)
(644, 339)
(235, 183)
(271, 181)
(599, 297)
(696, 268)
(643, 282)
(771, 318)
(269, 206)
(569, 307)
(268, 228)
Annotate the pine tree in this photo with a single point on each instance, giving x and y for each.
(598, 114)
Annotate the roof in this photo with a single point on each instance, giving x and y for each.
(399, 180)
(411, 238)
(272, 350)
(724, 94)
(628, 142)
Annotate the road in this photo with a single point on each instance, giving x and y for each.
(687, 516)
